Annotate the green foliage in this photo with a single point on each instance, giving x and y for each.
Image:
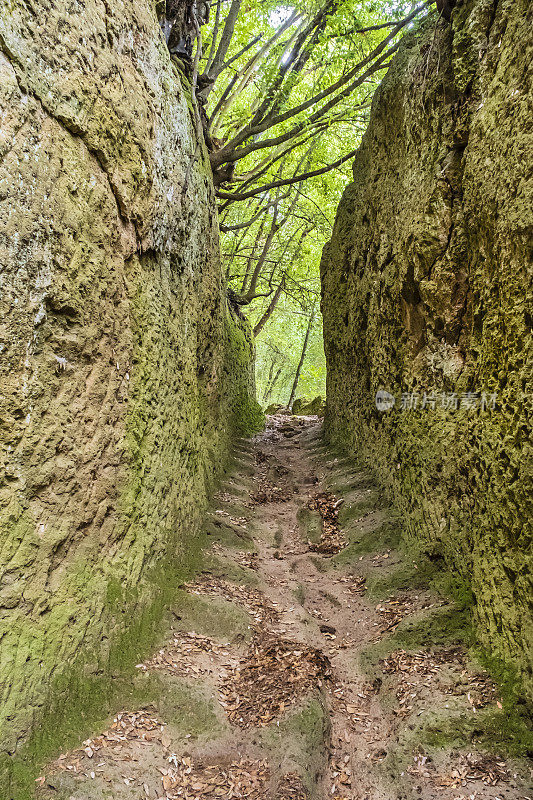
(279, 58)
(278, 351)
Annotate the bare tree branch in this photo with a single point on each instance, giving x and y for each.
(252, 255)
(292, 59)
(214, 36)
(241, 52)
(310, 199)
(267, 164)
(302, 357)
(294, 131)
(378, 27)
(227, 99)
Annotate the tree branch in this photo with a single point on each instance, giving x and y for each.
(225, 40)
(270, 308)
(249, 181)
(214, 36)
(276, 84)
(262, 209)
(286, 181)
(262, 121)
(241, 52)
(227, 99)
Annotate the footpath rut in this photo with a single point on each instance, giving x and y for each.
(309, 658)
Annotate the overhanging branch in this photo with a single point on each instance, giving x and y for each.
(285, 181)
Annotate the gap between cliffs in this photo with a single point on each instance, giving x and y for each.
(310, 657)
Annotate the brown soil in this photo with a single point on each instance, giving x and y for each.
(248, 724)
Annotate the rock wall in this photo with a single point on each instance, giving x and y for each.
(427, 285)
(123, 370)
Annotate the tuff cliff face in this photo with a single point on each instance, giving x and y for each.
(426, 283)
(123, 371)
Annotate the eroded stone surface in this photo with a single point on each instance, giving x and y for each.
(425, 289)
(122, 365)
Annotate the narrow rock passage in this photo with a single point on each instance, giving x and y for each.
(308, 659)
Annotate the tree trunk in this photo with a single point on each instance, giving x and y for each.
(302, 357)
(274, 227)
(270, 373)
(271, 306)
(270, 389)
(252, 254)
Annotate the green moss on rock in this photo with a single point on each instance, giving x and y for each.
(424, 295)
(125, 373)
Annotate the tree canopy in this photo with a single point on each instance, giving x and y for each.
(283, 93)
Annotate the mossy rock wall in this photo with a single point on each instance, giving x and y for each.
(427, 285)
(123, 370)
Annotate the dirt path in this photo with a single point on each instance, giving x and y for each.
(309, 659)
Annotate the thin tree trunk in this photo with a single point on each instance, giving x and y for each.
(225, 39)
(302, 357)
(252, 254)
(264, 319)
(270, 389)
(266, 390)
(214, 37)
(271, 306)
(228, 97)
(270, 373)
(274, 227)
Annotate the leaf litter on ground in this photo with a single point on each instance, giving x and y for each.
(471, 768)
(421, 670)
(179, 655)
(331, 539)
(253, 600)
(127, 727)
(268, 493)
(273, 676)
(189, 781)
